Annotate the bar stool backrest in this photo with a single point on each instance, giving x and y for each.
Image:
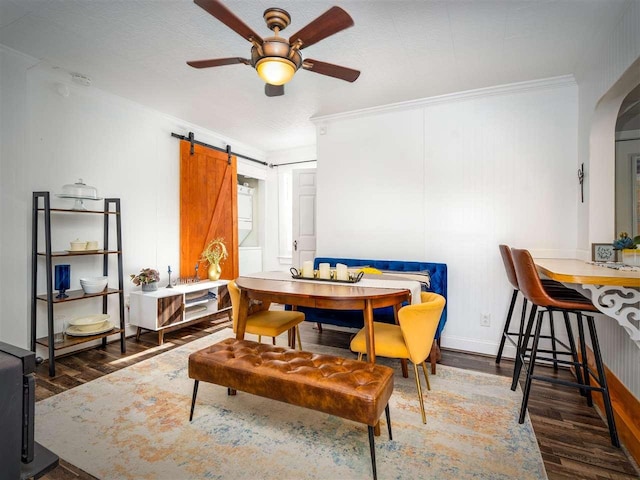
(505, 251)
(528, 278)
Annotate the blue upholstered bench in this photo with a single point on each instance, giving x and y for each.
(437, 275)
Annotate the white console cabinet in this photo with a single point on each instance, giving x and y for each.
(182, 304)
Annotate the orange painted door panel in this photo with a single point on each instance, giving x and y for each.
(208, 208)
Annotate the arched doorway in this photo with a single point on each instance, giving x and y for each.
(628, 165)
(601, 169)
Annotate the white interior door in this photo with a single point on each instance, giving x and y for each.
(304, 216)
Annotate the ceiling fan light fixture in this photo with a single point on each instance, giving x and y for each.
(275, 70)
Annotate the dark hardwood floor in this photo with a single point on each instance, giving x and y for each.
(573, 438)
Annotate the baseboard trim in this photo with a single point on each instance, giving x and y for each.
(626, 409)
(473, 345)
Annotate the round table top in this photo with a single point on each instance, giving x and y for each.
(315, 289)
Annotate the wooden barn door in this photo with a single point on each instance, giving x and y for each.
(208, 208)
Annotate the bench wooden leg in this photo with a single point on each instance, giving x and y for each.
(372, 447)
(138, 332)
(319, 325)
(193, 398)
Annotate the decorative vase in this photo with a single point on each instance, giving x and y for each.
(214, 271)
(631, 257)
(150, 287)
(62, 280)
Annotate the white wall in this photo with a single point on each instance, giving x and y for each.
(14, 207)
(604, 78)
(447, 181)
(121, 148)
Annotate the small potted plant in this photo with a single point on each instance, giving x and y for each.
(628, 246)
(148, 278)
(213, 254)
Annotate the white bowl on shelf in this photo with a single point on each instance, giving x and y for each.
(89, 323)
(93, 284)
(77, 245)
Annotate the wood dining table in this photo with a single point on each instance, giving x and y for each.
(329, 295)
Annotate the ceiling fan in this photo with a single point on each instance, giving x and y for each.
(277, 59)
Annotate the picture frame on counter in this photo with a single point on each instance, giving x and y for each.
(603, 252)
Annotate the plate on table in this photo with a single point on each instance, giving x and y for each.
(86, 320)
(102, 327)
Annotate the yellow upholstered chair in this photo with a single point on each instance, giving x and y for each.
(411, 340)
(269, 323)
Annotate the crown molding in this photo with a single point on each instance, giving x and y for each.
(29, 58)
(520, 87)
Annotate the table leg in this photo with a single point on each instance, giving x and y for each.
(292, 332)
(243, 310)
(369, 333)
(371, 346)
(403, 361)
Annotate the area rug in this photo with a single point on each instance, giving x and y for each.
(133, 424)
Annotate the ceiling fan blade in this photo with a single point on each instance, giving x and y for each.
(273, 90)
(331, 70)
(226, 16)
(332, 21)
(217, 62)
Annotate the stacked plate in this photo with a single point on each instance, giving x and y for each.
(90, 325)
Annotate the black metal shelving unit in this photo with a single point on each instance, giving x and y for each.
(42, 206)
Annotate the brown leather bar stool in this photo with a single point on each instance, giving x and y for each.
(550, 285)
(534, 291)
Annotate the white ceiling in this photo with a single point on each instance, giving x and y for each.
(405, 50)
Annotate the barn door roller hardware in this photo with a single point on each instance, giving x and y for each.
(192, 141)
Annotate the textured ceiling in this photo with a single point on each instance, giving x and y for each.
(405, 49)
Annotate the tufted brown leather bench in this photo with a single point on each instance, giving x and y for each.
(350, 389)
